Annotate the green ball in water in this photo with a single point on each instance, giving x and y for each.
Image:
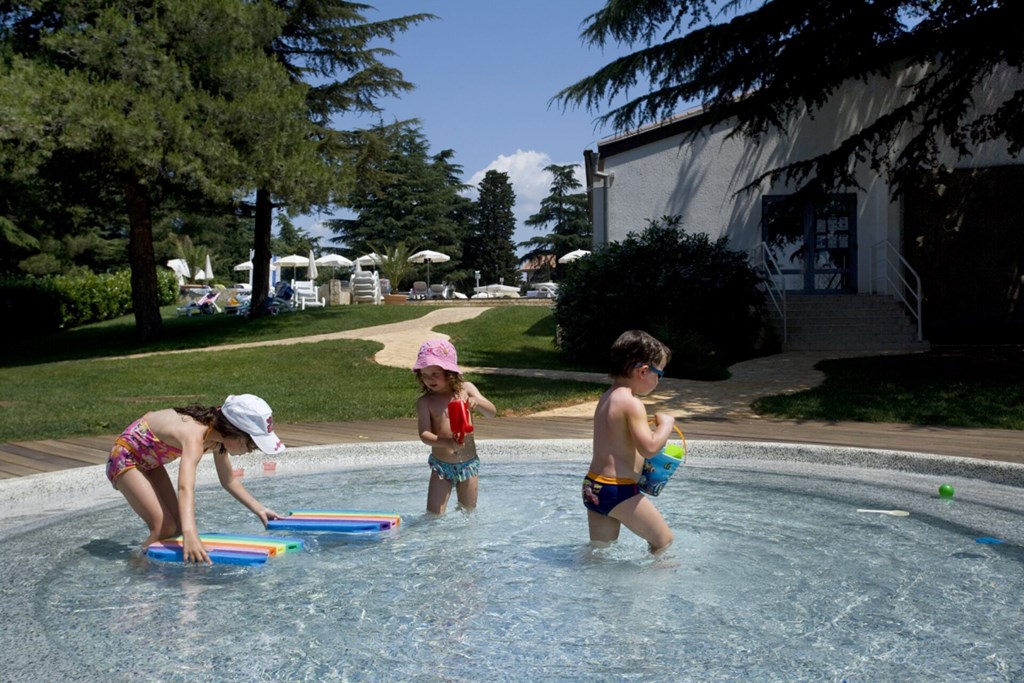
(946, 491)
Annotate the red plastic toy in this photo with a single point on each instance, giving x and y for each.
(460, 420)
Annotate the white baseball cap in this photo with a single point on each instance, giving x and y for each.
(252, 415)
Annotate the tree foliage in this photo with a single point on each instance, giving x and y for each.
(564, 213)
(760, 64)
(153, 99)
(489, 247)
(331, 47)
(405, 194)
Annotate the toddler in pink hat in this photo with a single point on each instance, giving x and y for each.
(453, 458)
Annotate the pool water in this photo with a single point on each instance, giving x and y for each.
(774, 576)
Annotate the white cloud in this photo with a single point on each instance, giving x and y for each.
(530, 182)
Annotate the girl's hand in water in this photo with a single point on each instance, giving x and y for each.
(194, 550)
(266, 514)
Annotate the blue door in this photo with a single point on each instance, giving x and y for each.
(813, 241)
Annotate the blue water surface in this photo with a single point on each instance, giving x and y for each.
(773, 577)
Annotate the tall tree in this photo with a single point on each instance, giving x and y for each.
(489, 247)
(162, 97)
(564, 213)
(761, 64)
(404, 194)
(331, 46)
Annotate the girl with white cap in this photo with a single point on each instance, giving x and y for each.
(136, 466)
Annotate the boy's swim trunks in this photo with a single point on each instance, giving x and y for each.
(455, 472)
(601, 494)
(138, 447)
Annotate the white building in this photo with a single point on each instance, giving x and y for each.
(837, 245)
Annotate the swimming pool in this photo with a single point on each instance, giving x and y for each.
(774, 576)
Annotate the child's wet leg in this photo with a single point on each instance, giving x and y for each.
(603, 529)
(143, 497)
(642, 518)
(438, 492)
(467, 492)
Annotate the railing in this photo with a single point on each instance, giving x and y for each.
(889, 277)
(774, 284)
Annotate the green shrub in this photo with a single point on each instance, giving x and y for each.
(47, 304)
(698, 297)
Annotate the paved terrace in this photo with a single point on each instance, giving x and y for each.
(704, 410)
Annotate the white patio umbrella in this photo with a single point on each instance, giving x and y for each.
(335, 261)
(311, 267)
(292, 261)
(245, 265)
(573, 255)
(427, 256)
(371, 259)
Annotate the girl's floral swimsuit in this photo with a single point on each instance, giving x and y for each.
(138, 447)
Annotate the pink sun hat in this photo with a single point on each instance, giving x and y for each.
(439, 352)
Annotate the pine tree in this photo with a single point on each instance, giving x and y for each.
(331, 46)
(489, 247)
(406, 195)
(761, 64)
(564, 213)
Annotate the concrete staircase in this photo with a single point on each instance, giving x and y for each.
(847, 323)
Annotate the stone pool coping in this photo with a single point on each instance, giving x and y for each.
(32, 500)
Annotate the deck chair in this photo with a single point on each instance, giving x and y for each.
(419, 290)
(206, 304)
(366, 288)
(438, 292)
(306, 294)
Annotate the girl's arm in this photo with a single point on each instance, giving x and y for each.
(231, 484)
(477, 401)
(191, 454)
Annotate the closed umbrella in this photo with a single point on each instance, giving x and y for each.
(180, 269)
(208, 270)
(311, 267)
(573, 255)
(427, 256)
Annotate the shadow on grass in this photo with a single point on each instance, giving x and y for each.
(979, 387)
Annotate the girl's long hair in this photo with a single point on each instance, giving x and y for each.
(455, 382)
(211, 417)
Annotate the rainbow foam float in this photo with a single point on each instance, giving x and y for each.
(338, 521)
(227, 548)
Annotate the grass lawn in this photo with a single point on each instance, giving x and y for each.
(955, 387)
(327, 381)
(66, 384)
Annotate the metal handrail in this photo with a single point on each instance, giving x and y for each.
(909, 294)
(776, 292)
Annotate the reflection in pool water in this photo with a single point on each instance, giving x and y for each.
(774, 576)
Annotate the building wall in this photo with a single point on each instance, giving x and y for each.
(703, 180)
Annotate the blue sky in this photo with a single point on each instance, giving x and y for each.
(484, 73)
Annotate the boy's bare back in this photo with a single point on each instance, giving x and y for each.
(615, 450)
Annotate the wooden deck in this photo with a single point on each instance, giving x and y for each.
(32, 457)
